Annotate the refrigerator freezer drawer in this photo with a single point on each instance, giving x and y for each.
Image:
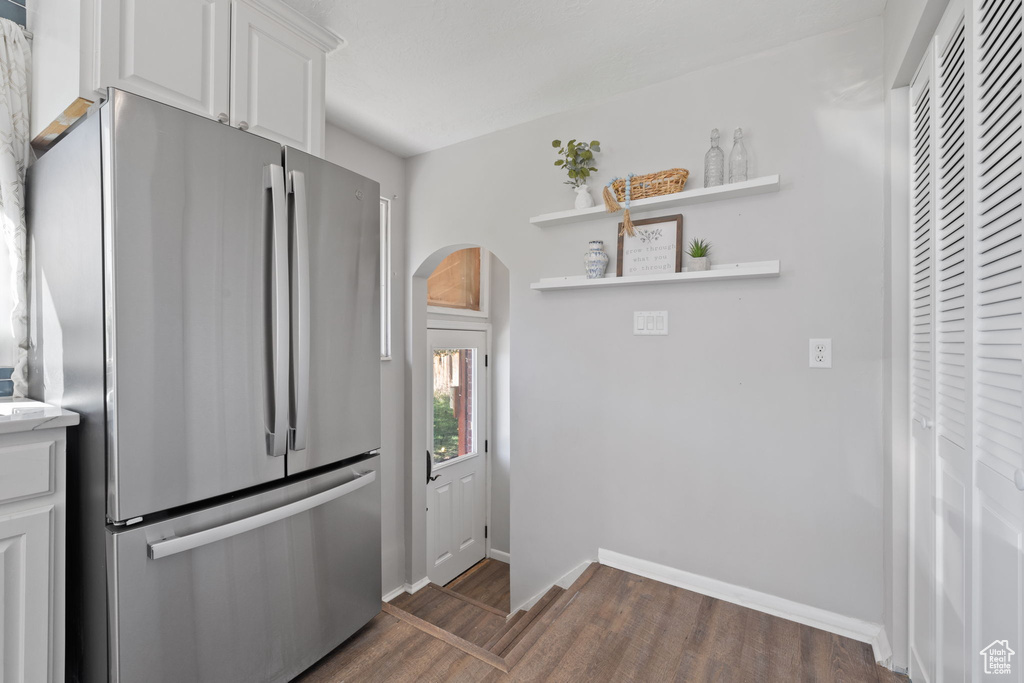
(256, 589)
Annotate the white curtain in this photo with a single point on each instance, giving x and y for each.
(15, 60)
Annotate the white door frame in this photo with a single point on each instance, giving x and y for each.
(436, 323)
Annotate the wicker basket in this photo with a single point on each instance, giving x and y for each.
(652, 184)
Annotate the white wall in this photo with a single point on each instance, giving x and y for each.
(909, 25)
(357, 155)
(714, 450)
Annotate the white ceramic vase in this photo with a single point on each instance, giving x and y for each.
(699, 263)
(595, 260)
(583, 198)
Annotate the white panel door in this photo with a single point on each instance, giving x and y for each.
(952, 345)
(456, 454)
(922, 290)
(277, 81)
(998, 613)
(173, 51)
(25, 590)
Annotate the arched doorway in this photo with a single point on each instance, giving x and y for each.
(459, 414)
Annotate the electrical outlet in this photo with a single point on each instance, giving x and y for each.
(821, 353)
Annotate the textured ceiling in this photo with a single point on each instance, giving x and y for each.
(417, 75)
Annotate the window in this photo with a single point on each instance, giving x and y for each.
(454, 403)
(458, 286)
(385, 278)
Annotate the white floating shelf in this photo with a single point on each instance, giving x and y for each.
(739, 271)
(666, 201)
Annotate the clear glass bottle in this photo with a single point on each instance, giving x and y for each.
(738, 158)
(714, 163)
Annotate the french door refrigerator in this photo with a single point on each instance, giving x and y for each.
(208, 302)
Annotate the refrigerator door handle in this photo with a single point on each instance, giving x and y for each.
(300, 313)
(175, 545)
(277, 441)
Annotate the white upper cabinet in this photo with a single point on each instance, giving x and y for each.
(175, 51)
(256, 64)
(277, 81)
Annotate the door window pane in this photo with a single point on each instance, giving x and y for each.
(454, 403)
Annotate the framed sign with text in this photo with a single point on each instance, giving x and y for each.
(656, 248)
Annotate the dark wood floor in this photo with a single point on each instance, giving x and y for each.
(464, 619)
(616, 627)
(486, 581)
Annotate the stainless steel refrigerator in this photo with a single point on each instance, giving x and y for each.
(208, 301)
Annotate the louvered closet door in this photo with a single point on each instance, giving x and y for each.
(998, 334)
(952, 346)
(922, 225)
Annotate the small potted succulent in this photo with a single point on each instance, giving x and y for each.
(577, 160)
(698, 252)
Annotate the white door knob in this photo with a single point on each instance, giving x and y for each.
(1018, 479)
(926, 423)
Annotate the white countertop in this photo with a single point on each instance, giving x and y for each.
(25, 415)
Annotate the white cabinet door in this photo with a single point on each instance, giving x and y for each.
(25, 609)
(174, 51)
(277, 81)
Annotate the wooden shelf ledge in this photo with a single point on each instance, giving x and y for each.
(666, 201)
(739, 271)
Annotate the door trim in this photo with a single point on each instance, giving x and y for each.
(467, 325)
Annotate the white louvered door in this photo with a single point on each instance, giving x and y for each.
(967, 334)
(952, 346)
(922, 379)
(998, 318)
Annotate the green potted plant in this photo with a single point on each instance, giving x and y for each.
(698, 252)
(577, 160)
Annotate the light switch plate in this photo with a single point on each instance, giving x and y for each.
(650, 323)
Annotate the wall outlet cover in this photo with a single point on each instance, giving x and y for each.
(820, 354)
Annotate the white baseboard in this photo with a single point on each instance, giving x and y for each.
(863, 631)
(391, 595)
(570, 577)
(405, 588)
(565, 581)
(500, 555)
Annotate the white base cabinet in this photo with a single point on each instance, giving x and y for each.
(32, 523)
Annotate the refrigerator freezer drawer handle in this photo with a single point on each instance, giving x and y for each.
(300, 312)
(174, 545)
